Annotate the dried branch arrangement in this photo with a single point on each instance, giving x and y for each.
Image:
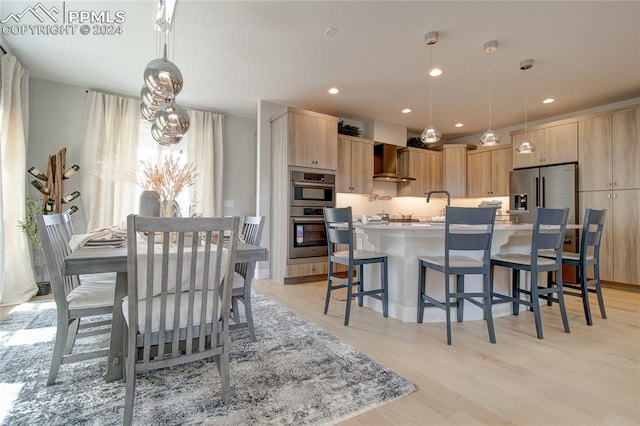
(169, 178)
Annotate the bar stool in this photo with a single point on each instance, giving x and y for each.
(339, 226)
(549, 226)
(589, 255)
(475, 238)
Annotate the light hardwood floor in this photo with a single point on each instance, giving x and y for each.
(590, 376)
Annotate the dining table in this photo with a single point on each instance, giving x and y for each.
(97, 260)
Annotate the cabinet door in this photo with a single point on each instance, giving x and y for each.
(626, 227)
(361, 167)
(602, 200)
(425, 166)
(595, 153)
(313, 141)
(626, 149)
(325, 153)
(555, 144)
(525, 160)
(432, 173)
(454, 166)
(343, 172)
(500, 168)
(479, 173)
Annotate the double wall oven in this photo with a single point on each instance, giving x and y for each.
(309, 193)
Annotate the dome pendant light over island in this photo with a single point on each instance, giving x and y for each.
(490, 137)
(431, 134)
(526, 147)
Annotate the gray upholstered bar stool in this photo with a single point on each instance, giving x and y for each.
(589, 256)
(549, 226)
(476, 237)
(339, 226)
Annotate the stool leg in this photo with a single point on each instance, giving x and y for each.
(385, 288)
(563, 309)
(360, 284)
(447, 307)
(349, 294)
(584, 289)
(421, 286)
(488, 314)
(596, 273)
(329, 275)
(549, 284)
(515, 285)
(535, 304)
(460, 300)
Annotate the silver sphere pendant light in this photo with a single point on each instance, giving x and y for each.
(163, 77)
(430, 134)
(490, 137)
(172, 120)
(163, 139)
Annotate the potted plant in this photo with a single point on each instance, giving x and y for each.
(30, 229)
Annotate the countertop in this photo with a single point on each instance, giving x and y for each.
(440, 225)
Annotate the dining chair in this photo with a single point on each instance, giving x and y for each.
(466, 229)
(587, 257)
(178, 300)
(549, 226)
(75, 298)
(339, 228)
(250, 233)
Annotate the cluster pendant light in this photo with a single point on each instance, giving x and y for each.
(490, 137)
(526, 147)
(431, 134)
(163, 81)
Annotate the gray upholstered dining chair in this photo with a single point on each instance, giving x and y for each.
(475, 235)
(75, 298)
(339, 227)
(178, 300)
(588, 257)
(250, 233)
(549, 226)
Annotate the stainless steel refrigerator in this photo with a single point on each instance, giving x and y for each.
(550, 186)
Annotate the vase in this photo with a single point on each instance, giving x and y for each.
(170, 208)
(149, 204)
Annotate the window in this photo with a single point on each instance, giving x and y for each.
(150, 150)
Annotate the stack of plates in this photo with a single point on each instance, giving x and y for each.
(491, 203)
(112, 242)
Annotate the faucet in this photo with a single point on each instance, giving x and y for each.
(440, 191)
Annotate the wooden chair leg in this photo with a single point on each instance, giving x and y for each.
(385, 288)
(515, 293)
(421, 287)
(460, 300)
(58, 350)
(596, 273)
(535, 305)
(447, 306)
(72, 332)
(349, 296)
(563, 309)
(360, 284)
(326, 300)
(584, 290)
(248, 313)
(488, 314)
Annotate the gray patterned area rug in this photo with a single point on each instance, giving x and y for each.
(296, 373)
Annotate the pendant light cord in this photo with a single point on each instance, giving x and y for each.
(525, 104)
(490, 88)
(430, 79)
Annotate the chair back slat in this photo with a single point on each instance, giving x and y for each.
(549, 230)
(251, 233)
(176, 290)
(592, 233)
(55, 232)
(339, 227)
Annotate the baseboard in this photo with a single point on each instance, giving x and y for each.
(621, 286)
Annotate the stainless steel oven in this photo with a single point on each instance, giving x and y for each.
(307, 234)
(310, 189)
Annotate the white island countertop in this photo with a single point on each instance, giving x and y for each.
(404, 243)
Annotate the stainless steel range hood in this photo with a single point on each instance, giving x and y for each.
(385, 163)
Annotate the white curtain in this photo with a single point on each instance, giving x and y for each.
(17, 283)
(110, 132)
(204, 148)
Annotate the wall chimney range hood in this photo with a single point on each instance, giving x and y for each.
(385, 163)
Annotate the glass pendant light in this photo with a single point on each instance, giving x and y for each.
(431, 134)
(526, 147)
(490, 137)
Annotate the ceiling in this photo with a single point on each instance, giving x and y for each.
(233, 54)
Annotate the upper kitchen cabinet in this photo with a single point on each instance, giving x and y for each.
(454, 169)
(355, 165)
(609, 151)
(488, 171)
(555, 144)
(312, 139)
(422, 164)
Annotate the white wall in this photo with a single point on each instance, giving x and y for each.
(55, 121)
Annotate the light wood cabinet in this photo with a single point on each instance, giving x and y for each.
(555, 144)
(422, 164)
(454, 169)
(620, 235)
(355, 165)
(609, 151)
(312, 139)
(488, 172)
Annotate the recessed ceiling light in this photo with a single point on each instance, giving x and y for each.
(406, 111)
(435, 72)
(459, 124)
(331, 31)
(334, 90)
(548, 101)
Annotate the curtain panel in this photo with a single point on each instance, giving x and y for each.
(205, 150)
(110, 132)
(17, 282)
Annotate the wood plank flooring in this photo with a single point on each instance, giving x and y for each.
(588, 377)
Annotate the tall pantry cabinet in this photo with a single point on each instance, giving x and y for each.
(609, 177)
(304, 140)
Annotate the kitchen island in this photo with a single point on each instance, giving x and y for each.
(404, 243)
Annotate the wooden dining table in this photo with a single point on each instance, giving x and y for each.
(97, 260)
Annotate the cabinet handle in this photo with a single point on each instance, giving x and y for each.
(615, 183)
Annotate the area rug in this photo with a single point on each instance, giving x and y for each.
(295, 374)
